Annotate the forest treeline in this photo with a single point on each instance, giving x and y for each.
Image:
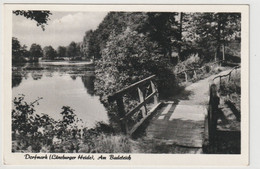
(176, 34)
(21, 53)
(129, 46)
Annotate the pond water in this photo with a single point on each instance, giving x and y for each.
(65, 84)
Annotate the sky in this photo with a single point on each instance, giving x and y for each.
(62, 28)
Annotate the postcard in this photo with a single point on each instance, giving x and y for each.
(138, 85)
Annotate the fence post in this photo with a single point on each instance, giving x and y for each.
(195, 74)
(141, 98)
(213, 113)
(186, 77)
(154, 90)
(121, 111)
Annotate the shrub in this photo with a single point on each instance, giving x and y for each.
(193, 61)
(233, 85)
(35, 133)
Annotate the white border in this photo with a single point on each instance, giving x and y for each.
(208, 2)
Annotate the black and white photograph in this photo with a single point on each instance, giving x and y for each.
(117, 83)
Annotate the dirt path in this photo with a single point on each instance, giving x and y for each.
(199, 91)
(179, 127)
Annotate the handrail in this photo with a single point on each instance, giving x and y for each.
(128, 88)
(189, 70)
(192, 69)
(213, 109)
(140, 108)
(195, 69)
(228, 74)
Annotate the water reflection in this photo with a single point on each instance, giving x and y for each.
(16, 79)
(88, 82)
(59, 86)
(37, 75)
(73, 77)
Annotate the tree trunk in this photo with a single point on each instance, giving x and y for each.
(218, 40)
(223, 52)
(180, 37)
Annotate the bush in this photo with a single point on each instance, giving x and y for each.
(35, 133)
(233, 85)
(193, 61)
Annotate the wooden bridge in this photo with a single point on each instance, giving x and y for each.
(140, 108)
(181, 122)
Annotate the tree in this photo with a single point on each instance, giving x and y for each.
(35, 52)
(16, 47)
(162, 27)
(61, 51)
(215, 30)
(18, 52)
(85, 46)
(72, 50)
(41, 17)
(49, 52)
(78, 52)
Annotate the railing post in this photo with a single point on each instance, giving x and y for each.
(212, 113)
(195, 74)
(121, 111)
(186, 77)
(229, 77)
(156, 99)
(141, 98)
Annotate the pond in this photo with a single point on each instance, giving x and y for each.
(64, 84)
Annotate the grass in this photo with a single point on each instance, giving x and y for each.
(112, 144)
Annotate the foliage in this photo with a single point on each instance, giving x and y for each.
(162, 28)
(86, 47)
(32, 132)
(192, 62)
(49, 52)
(35, 52)
(61, 51)
(115, 22)
(19, 53)
(210, 31)
(233, 85)
(73, 50)
(41, 17)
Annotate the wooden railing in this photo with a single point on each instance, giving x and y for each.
(142, 105)
(196, 69)
(214, 101)
(189, 70)
(228, 74)
(220, 62)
